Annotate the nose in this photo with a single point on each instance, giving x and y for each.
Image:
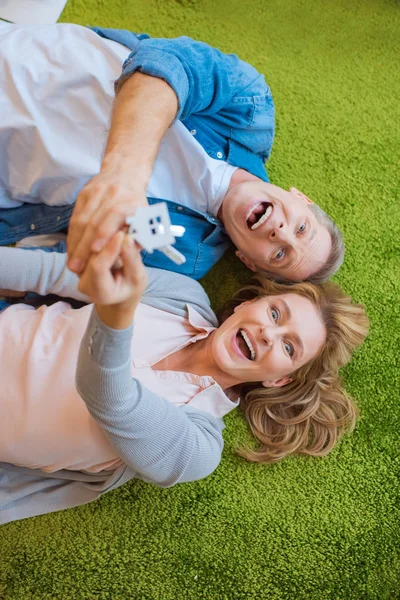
(279, 232)
(267, 335)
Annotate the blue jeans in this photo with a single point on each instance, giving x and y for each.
(60, 246)
(203, 244)
(3, 305)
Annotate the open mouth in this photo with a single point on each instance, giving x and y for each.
(258, 214)
(245, 345)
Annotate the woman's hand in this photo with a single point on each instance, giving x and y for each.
(116, 292)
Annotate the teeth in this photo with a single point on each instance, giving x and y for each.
(249, 344)
(252, 209)
(263, 218)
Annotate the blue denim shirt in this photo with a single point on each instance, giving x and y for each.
(222, 100)
(203, 244)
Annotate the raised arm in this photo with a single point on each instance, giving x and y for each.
(161, 442)
(143, 110)
(163, 80)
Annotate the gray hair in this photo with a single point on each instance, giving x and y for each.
(336, 255)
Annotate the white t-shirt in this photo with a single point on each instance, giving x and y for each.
(56, 96)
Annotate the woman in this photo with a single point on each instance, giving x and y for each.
(279, 349)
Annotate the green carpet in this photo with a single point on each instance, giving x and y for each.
(305, 529)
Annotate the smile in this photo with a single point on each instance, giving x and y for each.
(258, 214)
(245, 345)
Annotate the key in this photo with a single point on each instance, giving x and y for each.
(173, 254)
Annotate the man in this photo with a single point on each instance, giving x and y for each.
(190, 125)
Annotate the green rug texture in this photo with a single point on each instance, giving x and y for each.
(307, 528)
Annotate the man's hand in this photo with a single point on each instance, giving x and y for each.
(100, 211)
(144, 108)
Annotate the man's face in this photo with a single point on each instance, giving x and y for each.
(275, 229)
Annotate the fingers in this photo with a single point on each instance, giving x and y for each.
(109, 223)
(130, 257)
(97, 280)
(100, 211)
(86, 207)
(129, 250)
(105, 285)
(108, 256)
(97, 232)
(134, 268)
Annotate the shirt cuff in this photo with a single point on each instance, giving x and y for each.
(163, 65)
(110, 348)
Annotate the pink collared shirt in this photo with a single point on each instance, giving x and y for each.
(45, 423)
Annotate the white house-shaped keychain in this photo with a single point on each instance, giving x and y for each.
(151, 228)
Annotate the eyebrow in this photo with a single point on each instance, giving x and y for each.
(313, 234)
(296, 338)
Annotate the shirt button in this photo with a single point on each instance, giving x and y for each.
(193, 132)
(33, 227)
(58, 218)
(179, 208)
(219, 155)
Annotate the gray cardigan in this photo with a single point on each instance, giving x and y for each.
(160, 443)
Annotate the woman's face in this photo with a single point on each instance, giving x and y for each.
(268, 339)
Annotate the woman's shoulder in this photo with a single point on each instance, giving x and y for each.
(173, 292)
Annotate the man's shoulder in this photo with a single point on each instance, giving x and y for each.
(122, 36)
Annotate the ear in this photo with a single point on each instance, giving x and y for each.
(301, 196)
(249, 263)
(277, 383)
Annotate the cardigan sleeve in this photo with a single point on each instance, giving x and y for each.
(24, 270)
(163, 443)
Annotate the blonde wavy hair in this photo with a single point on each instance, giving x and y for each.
(311, 413)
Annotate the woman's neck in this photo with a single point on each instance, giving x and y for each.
(196, 358)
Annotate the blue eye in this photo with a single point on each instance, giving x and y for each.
(289, 349)
(302, 228)
(274, 314)
(279, 254)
